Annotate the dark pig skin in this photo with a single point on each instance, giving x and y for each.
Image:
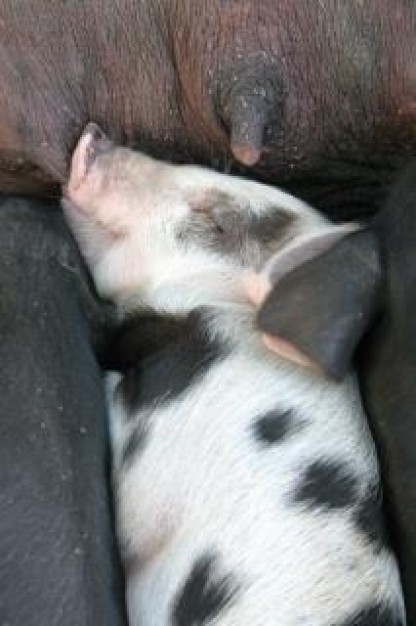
(387, 369)
(316, 96)
(59, 565)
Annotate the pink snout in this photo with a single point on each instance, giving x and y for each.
(92, 143)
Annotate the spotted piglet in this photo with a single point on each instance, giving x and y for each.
(246, 487)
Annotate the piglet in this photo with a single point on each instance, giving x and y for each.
(246, 487)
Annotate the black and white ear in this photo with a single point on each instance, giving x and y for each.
(316, 311)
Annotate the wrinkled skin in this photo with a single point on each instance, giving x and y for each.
(58, 561)
(316, 96)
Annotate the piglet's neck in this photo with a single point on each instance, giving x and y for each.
(180, 297)
(232, 315)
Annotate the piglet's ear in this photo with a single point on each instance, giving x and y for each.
(320, 309)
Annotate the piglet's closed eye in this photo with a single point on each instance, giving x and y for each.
(316, 314)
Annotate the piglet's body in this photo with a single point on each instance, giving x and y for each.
(247, 489)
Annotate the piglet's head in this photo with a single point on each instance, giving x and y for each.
(176, 236)
(106, 181)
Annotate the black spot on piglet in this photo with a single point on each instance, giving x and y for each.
(370, 519)
(274, 426)
(327, 484)
(161, 356)
(204, 595)
(377, 615)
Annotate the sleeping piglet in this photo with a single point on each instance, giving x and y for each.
(246, 487)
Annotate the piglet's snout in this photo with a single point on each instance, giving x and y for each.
(98, 142)
(92, 143)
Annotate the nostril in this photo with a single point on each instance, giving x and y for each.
(97, 134)
(94, 131)
(97, 138)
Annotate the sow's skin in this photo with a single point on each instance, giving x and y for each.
(315, 95)
(246, 488)
(58, 563)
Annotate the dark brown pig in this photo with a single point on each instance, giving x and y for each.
(317, 96)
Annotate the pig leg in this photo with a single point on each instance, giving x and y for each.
(58, 564)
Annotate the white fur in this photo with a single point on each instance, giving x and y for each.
(202, 481)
